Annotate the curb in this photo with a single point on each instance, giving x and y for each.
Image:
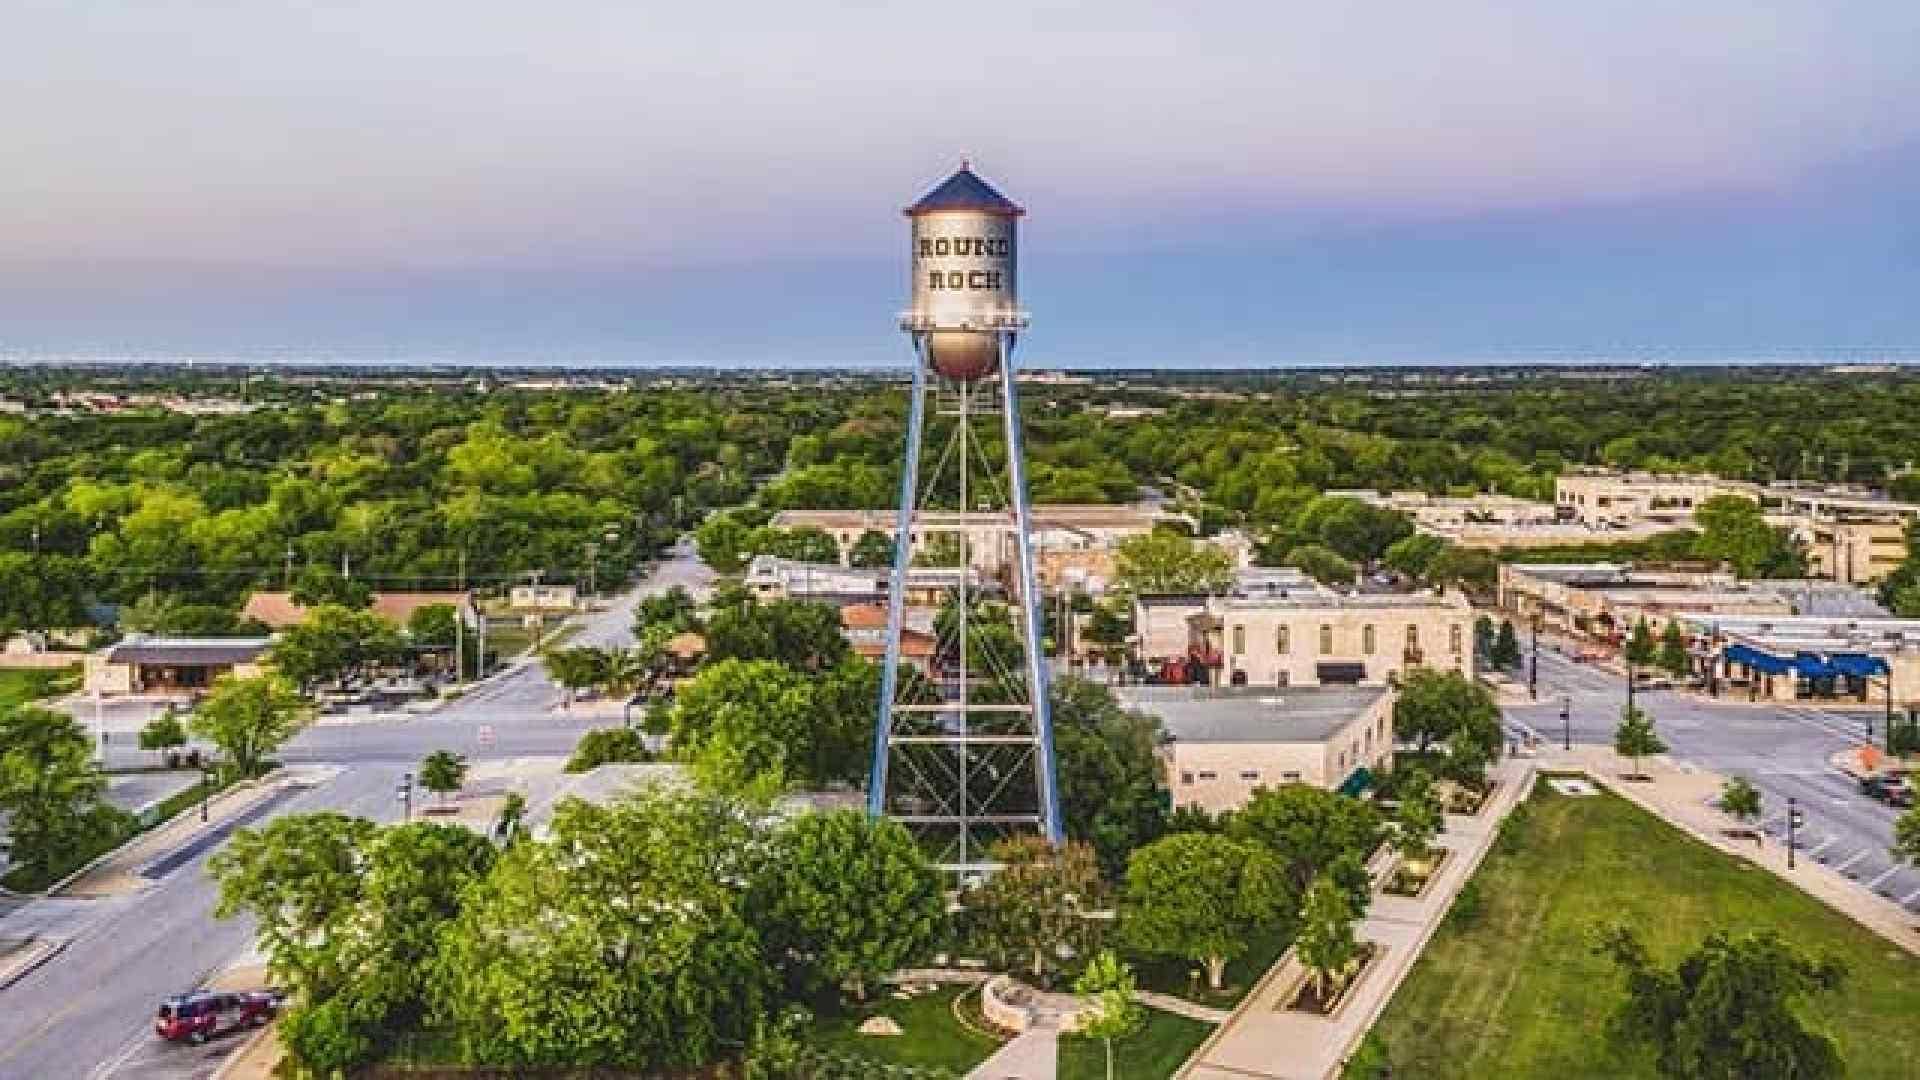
(57, 887)
(41, 951)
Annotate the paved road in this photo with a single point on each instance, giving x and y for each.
(85, 1014)
(1783, 749)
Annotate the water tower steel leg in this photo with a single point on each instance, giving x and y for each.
(896, 595)
(1050, 824)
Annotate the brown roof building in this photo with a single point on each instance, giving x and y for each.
(278, 611)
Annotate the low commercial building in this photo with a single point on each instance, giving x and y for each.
(1604, 601)
(1789, 658)
(773, 578)
(865, 628)
(543, 599)
(172, 666)
(1301, 638)
(1603, 498)
(1222, 744)
(990, 538)
(1854, 549)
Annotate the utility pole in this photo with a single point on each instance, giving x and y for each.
(1566, 722)
(593, 564)
(286, 575)
(1888, 677)
(460, 625)
(406, 797)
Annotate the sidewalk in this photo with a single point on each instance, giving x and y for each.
(1265, 1039)
(1034, 1054)
(1683, 796)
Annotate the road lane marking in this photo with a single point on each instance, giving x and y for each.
(1889, 872)
(1857, 856)
(1827, 843)
(1910, 897)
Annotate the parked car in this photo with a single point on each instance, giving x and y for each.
(1889, 788)
(202, 1015)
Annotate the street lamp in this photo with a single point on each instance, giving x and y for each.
(405, 795)
(1566, 722)
(206, 786)
(1795, 819)
(1533, 666)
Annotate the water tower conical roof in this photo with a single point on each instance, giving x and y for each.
(964, 191)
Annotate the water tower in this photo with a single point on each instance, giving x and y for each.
(963, 746)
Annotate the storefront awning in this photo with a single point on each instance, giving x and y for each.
(1764, 662)
(1858, 665)
(1358, 781)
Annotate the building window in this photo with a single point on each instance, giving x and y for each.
(1186, 778)
(1454, 636)
(1206, 775)
(1413, 636)
(1281, 679)
(1326, 639)
(1283, 640)
(1289, 777)
(1366, 639)
(1239, 641)
(1249, 774)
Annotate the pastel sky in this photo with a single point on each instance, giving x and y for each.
(1209, 183)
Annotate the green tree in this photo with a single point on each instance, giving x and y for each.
(1417, 820)
(1505, 652)
(164, 733)
(623, 672)
(1322, 564)
(1108, 768)
(566, 956)
(1433, 705)
(1107, 628)
(801, 634)
(319, 586)
(443, 772)
(575, 669)
(1906, 836)
(765, 717)
(1673, 658)
(847, 898)
(248, 719)
(1640, 651)
(872, 549)
(1201, 897)
(1410, 555)
(1734, 530)
(1473, 569)
(433, 626)
(1636, 739)
(1107, 983)
(1740, 800)
(50, 792)
(1312, 831)
(302, 878)
(1326, 944)
(722, 543)
(1727, 1009)
(333, 644)
(603, 745)
(1036, 903)
(1163, 561)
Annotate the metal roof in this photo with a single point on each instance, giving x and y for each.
(964, 191)
(159, 650)
(1300, 714)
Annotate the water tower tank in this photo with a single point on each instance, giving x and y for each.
(965, 259)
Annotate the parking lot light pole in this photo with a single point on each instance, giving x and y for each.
(406, 797)
(1887, 681)
(1566, 722)
(206, 788)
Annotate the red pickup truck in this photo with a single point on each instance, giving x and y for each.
(197, 1017)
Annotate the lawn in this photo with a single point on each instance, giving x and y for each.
(1171, 975)
(1515, 990)
(1151, 1054)
(21, 685)
(931, 1038)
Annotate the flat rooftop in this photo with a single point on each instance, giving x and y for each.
(1201, 714)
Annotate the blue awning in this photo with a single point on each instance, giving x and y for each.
(1759, 661)
(1813, 666)
(1858, 665)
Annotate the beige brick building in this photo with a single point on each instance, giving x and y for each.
(1224, 743)
(1308, 638)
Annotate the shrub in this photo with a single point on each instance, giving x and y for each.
(603, 745)
(1467, 906)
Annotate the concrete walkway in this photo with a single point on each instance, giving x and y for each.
(1180, 1006)
(1034, 1054)
(1265, 1039)
(1684, 796)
